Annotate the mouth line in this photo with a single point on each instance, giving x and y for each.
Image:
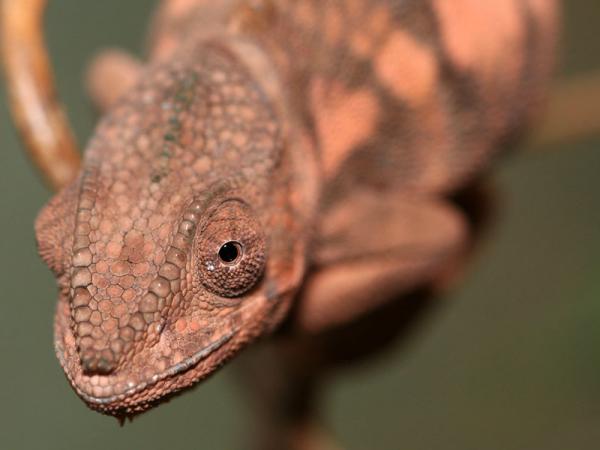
(171, 371)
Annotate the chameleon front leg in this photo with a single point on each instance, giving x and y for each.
(110, 75)
(373, 248)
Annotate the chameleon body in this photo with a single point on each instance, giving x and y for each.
(273, 154)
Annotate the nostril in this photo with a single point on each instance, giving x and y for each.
(97, 364)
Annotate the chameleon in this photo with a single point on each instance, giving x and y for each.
(277, 163)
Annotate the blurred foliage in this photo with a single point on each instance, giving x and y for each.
(510, 361)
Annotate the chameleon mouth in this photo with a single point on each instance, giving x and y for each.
(170, 372)
(133, 389)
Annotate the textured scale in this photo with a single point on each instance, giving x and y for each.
(322, 138)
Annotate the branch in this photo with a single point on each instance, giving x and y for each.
(35, 106)
(573, 111)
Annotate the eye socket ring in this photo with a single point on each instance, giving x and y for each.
(230, 253)
(230, 250)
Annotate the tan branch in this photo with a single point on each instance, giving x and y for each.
(573, 111)
(36, 108)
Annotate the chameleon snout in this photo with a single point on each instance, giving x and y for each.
(125, 313)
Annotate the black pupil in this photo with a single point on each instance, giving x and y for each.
(229, 252)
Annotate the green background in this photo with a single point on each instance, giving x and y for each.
(510, 361)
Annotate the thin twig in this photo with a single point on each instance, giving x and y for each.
(36, 108)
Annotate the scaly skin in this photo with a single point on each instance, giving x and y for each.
(274, 153)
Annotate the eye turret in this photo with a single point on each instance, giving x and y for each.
(230, 250)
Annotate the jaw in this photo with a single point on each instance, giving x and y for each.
(154, 374)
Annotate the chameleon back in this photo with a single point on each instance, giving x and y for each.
(403, 94)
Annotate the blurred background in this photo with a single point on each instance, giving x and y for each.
(510, 361)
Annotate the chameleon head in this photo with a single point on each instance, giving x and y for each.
(180, 241)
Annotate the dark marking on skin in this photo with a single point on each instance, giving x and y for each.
(181, 102)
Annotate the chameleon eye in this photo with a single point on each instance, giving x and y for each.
(230, 251)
